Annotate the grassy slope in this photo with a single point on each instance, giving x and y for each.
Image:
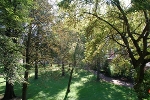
(51, 86)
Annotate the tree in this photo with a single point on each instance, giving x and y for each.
(37, 31)
(134, 38)
(27, 65)
(73, 53)
(13, 16)
(65, 37)
(43, 18)
(129, 28)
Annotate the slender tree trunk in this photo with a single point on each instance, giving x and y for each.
(25, 85)
(37, 50)
(98, 67)
(9, 92)
(36, 70)
(36, 62)
(70, 78)
(63, 69)
(69, 82)
(69, 67)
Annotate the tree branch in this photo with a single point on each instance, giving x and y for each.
(143, 32)
(104, 21)
(138, 49)
(117, 41)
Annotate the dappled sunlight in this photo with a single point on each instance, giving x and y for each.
(86, 78)
(60, 95)
(51, 86)
(41, 95)
(2, 87)
(118, 82)
(101, 90)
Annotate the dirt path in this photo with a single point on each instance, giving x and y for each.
(112, 80)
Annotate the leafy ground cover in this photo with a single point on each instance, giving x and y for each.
(52, 86)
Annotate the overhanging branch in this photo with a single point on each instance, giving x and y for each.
(104, 21)
(113, 38)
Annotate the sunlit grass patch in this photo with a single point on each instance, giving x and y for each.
(2, 84)
(52, 86)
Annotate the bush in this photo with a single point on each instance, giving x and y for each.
(118, 69)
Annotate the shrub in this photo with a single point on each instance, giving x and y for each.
(118, 69)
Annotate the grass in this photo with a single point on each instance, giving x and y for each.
(51, 86)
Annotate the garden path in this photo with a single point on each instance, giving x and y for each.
(112, 80)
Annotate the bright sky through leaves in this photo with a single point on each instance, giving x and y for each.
(127, 2)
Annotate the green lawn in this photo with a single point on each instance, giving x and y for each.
(51, 86)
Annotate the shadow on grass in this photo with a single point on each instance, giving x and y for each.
(85, 87)
(93, 90)
(49, 84)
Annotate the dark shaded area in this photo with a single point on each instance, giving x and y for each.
(9, 92)
(49, 83)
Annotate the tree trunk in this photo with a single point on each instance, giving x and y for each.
(139, 80)
(69, 67)
(37, 50)
(36, 70)
(9, 92)
(70, 78)
(69, 82)
(25, 85)
(63, 69)
(98, 67)
(27, 67)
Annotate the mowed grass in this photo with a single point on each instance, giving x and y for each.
(52, 86)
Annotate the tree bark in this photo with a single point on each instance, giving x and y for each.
(69, 82)
(9, 91)
(36, 70)
(25, 85)
(37, 50)
(63, 69)
(139, 80)
(27, 67)
(98, 67)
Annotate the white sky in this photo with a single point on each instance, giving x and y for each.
(54, 3)
(126, 1)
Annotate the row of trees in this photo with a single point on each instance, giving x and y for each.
(33, 34)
